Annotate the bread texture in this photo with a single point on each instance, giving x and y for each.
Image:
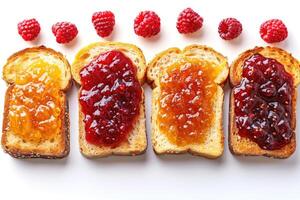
(137, 141)
(12, 143)
(244, 146)
(213, 146)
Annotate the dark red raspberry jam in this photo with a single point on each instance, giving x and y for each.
(110, 98)
(263, 103)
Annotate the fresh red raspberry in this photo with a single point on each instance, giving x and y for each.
(273, 30)
(189, 21)
(147, 24)
(29, 29)
(64, 32)
(230, 28)
(103, 22)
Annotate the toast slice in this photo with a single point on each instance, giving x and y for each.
(244, 146)
(213, 145)
(19, 65)
(137, 141)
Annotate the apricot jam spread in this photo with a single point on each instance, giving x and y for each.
(34, 104)
(110, 98)
(263, 103)
(186, 102)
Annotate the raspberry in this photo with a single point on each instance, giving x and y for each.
(29, 29)
(189, 21)
(103, 23)
(64, 32)
(147, 24)
(230, 28)
(273, 30)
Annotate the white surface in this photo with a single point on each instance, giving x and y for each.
(148, 176)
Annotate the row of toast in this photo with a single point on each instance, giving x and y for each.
(187, 101)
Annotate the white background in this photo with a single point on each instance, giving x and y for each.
(148, 176)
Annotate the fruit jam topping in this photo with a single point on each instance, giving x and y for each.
(110, 98)
(186, 103)
(34, 104)
(263, 103)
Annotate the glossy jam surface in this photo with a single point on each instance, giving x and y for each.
(186, 103)
(110, 98)
(263, 103)
(34, 107)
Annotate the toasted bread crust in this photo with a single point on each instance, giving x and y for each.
(7, 68)
(244, 146)
(137, 141)
(155, 68)
(191, 51)
(150, 78)
(17, 151)
(291, 64)
(89, 52)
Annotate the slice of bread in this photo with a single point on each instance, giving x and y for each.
(213, 145)
(56, 147)
(137, 141)
(244, 146)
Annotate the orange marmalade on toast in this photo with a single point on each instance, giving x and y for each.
(35, 102)
(186, 103)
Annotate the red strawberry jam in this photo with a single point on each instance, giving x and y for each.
(110, 98)
(263, 103)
